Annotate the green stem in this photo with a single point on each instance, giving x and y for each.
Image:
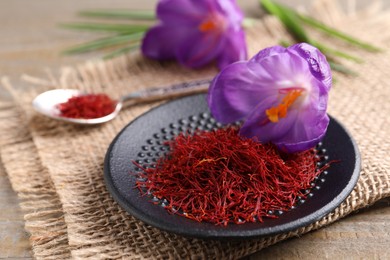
(121, 51)
(103, 43)
(330, 31)
(117, 28)
(334, 52)
(120, 14)
(288, 18)
(342, 69)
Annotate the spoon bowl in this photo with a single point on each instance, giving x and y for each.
(47, 102)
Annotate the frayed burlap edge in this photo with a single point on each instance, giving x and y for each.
(38, 198)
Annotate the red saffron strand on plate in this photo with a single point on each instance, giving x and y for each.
(87, 106)
(222, 178)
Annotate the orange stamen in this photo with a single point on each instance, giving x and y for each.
(280, 111)
(207, 25)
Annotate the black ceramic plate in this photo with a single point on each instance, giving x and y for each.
(142, 141)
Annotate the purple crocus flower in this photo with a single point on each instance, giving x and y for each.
(197, 32)
(281, 93)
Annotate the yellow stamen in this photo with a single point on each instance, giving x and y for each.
(207, 25)
(280, 111)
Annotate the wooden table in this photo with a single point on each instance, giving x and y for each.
(31, 41)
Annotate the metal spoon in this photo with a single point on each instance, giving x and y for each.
(46, 103)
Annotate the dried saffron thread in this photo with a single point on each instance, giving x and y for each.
(87, 106)
(220, 177)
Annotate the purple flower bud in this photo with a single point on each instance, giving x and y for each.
(281, 93)
(197, 33)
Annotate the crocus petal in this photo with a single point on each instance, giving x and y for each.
(231, 10)
(234, 93)
(282, 70)
(199, 49)
(234, 50)
(267, 52)
(317, 132)
(311, 122)
(179, 12)
(161, 41)
(319, 66)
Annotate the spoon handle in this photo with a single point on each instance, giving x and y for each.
(176, 90)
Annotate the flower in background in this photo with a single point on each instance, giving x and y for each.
(197, 32)
(281, 93)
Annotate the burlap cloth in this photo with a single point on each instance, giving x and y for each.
(57, 168)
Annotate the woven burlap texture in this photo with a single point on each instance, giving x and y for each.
(57, 168)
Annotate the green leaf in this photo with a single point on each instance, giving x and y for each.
(120, 14)
(329, 30)
(121, 51)
(333, 32)
(341, 68)
(104, 43)
(289, 19)
(117, 28)
(327, 51)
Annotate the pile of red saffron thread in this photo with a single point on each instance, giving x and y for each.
(220, 177)
(87, 106)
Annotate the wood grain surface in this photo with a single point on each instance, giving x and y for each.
(31, 42)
